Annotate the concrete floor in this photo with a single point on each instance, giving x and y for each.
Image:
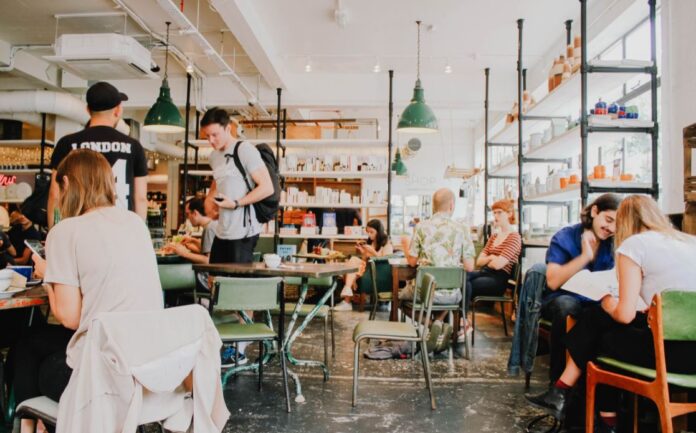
(472, 396)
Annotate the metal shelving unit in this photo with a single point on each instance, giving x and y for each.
(587, 188)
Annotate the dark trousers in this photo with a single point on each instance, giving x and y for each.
(233, 250)
(596, 333)
(557, 309)
(36, 364)
(486, 282)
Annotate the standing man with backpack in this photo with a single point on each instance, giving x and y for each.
(244, 190)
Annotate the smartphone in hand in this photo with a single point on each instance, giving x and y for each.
(36, 247)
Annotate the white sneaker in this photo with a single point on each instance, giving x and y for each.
(346, 292)
(344, 306)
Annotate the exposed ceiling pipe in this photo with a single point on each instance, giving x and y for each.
(187, 27)
(49, 102)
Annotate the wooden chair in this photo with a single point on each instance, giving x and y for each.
(502, 299)
(671, 318)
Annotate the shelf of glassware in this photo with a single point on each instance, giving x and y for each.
(334, 205)
(572, 192)
(564, 100)
(334, 174)
(301, 143)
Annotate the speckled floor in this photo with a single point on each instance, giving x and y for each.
(472, 396)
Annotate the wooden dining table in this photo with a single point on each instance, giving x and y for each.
(34, 297)
(304, 271)
(401, 271)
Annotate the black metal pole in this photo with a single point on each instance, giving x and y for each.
(583, 102)
(485, 160)
(276, 237)
(524, 79)
(186, 140)
(389, 147)
(568, 26)
(42, 166)
(653, 96)
(285, 127)
(520, 24)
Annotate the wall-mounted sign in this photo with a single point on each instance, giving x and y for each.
(6, 180)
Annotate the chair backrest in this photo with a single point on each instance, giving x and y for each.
(425, 290)
(678, 320)
(446, 277)
(177, 276)
(514, 279)
(239, 294)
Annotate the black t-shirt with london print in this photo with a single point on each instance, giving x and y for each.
(124, 153)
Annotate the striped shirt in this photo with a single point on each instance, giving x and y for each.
(510, 248)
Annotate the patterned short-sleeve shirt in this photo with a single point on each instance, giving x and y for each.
(442, 241)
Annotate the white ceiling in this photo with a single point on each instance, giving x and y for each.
(282, 36)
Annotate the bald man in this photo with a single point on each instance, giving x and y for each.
(441, 241)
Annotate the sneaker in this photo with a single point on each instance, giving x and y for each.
(343, 306)
(227, 358)
(434, 335)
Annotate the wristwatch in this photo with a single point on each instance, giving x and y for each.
(236, 204)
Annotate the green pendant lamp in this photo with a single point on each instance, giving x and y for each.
(398, 165)
(417, 118)
(164, 116)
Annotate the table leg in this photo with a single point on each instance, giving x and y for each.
(292, 335)
(393, 314)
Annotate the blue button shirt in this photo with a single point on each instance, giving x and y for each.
(566, 245)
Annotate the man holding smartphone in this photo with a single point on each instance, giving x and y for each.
(238, 230)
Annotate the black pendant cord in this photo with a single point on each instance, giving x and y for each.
(276, 236)
(520, 199)
(166, 51)
(419, 52)
(186, 141)
(42, 165)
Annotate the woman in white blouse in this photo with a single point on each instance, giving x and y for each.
(651, 256)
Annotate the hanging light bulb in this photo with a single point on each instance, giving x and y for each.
(417, 117)
(164, 116)
(308, 66)
(377, 68)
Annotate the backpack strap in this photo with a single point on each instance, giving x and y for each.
(240, 167)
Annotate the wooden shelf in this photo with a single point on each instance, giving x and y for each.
(333, 206)
(563, 101)
(12, 200)
(23, 143)
(299, 236)
(334, 174)
(572, 192)
(23, 171)
(300, 143)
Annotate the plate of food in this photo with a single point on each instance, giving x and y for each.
(34, 282)
(11, 291)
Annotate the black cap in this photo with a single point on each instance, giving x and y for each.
(103, 96)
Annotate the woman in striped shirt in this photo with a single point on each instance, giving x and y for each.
(498, 256)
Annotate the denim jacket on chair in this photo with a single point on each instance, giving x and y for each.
(524, 341)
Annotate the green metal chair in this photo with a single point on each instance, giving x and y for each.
(399, 331)
(671, 318)
(325, 312)
(378, 275)
(447, 278)
(177, 279)
(502, 299)
(256, 294)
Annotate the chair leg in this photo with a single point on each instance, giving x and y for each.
(450, 351)
(527, 380)
(373, 311)
(665, 417)
(635, 413)
(333, 337)
(260, 363)
(426, 372)
(356, 367)
(284, 367)
(326, 340)
(590, 398)
(473, 323)
(502, 315)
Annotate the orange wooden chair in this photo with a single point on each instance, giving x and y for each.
(671, 318)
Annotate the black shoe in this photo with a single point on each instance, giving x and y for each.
(553, 401)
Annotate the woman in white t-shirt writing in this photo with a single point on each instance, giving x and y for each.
(651, 256)
(99, 258)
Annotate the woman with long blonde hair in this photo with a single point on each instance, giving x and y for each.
(99, 258)
(651, 256)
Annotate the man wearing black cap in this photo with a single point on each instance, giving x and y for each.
(125, 153)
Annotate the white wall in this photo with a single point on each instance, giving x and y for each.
(678, 96)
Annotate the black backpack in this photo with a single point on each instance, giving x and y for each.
(34, 207)
(265, 209)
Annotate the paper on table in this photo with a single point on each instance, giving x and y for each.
(596, 285)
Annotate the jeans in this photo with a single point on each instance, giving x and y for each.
(557, 309)
(233, 250)
(486, 282)
(524, 341)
